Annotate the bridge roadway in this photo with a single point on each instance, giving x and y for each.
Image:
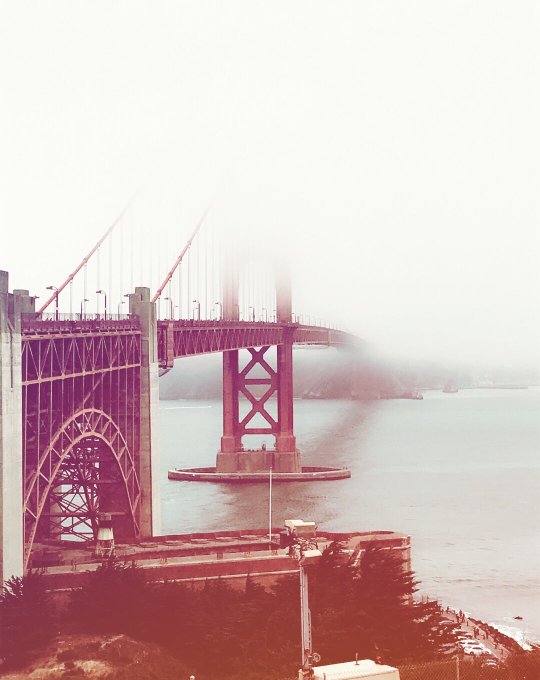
(182, 338)
(185, 338)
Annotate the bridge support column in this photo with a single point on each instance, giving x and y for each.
(230, 441)
(148, 458)
(285, 439)
(258, 388)
(289, 457)
(12, 306)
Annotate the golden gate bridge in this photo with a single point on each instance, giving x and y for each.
(79, 382)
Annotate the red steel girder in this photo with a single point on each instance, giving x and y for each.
(187, 338)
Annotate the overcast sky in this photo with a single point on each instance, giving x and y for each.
(390, 148)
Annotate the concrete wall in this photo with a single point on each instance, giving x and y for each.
(11, 463)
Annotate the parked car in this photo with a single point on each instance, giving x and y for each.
(447, 622)
(462, 634)
(475, 648)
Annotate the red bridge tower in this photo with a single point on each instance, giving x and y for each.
(258, 383)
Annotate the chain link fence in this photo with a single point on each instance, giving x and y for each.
(517, 667)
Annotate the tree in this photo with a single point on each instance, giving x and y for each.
(114, 599)
(368, 608)
(26, 618)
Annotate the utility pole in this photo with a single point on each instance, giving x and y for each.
(300, 538)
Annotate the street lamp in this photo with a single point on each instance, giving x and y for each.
(301, 539)
(171, 308)
(198, 306)
(55, 301)
(122, 302)
(83, 306)
(265, 314)
(220, 305)
(102, 292)
(252, 314)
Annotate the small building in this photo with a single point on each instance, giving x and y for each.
(356, 670)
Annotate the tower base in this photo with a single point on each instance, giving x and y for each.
(260, 460)
(210, 474)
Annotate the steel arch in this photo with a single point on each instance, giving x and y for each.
(82, 425)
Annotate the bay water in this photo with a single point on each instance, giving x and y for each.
(459, 473)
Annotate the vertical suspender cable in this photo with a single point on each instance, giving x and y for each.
(140, 240)
(179, 274)
(110, 291)
(189, 283)
(132, 289)
(206, 273)
(197, 286)
(120, 265)
(148, 259)
(85, 291)
(98, 287)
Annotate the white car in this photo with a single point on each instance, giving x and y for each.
(474, 648)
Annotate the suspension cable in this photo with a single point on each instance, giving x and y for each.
(85, 259)
(180, 257)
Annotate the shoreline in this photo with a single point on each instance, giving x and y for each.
(501, 644)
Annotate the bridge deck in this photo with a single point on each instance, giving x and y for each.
(191, 337)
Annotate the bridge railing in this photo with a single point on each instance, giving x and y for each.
(32, 326)
(82, 317)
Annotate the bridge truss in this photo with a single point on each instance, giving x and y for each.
(81, 419)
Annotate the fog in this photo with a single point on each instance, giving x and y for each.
(390, 150)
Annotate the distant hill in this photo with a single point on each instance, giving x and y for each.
(323, 373)
(328, 373)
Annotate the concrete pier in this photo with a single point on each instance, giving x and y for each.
(12, 307)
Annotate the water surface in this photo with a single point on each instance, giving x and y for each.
(459, 472)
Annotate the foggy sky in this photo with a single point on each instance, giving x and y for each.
(390, 148)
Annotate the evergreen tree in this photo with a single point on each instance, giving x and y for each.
(27, 621)
(114, 599)
(368, 608)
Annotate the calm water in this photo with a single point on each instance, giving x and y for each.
(459, 472)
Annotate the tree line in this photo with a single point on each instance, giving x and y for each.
(366, 609)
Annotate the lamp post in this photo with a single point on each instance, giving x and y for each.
(198, 307)
(252, 313)
(265, 314)
(122, 302)
(301, 539)
(171, 308)
(220, 305)
(83, 306)
(55, 301)
(102, 292)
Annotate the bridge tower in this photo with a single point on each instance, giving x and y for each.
(12, 307)
(141, 306)
(258, 382)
